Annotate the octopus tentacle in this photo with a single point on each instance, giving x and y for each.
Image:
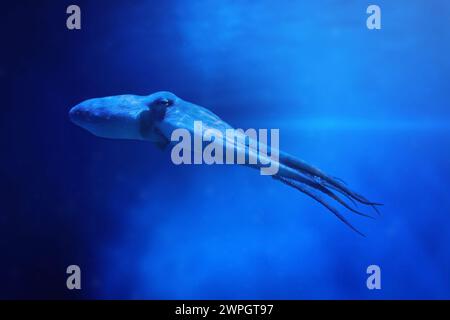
(307, 169)
(289, 173)
(355, 203)
(319, 199)
(312, 182)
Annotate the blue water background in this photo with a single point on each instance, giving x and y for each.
(371, 107)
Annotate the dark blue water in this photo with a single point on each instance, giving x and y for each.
(371, 107)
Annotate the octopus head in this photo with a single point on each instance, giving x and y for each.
(124, 116)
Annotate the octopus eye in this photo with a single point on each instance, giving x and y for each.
(159, 107)
(164, 102)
